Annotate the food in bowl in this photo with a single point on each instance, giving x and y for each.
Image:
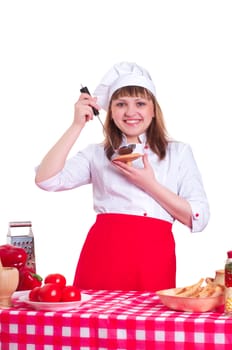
(194, 298)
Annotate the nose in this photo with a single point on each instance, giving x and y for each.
(130, 110)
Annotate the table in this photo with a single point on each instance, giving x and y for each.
(114, 320)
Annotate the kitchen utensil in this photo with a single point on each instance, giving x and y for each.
(20, 234)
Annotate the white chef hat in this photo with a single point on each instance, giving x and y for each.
(120, 75)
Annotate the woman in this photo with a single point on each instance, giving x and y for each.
(131, 245)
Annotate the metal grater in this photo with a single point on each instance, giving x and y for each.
(20, 234)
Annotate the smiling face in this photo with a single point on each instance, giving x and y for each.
(132, 115)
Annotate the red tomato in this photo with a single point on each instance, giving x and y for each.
(50, 292)
(33, 294)
(55, 278)
(70, 293)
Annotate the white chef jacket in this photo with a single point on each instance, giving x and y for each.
(113, 192)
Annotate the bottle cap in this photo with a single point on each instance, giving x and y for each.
(229, 254)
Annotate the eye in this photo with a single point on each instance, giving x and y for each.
(141, 103)
(120, 104)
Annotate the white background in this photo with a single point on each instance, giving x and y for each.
(48, 48)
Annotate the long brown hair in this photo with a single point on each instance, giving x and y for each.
(157, 138)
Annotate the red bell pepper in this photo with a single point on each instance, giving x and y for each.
(28, 279)
(12, 256)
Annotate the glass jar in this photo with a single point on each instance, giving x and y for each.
(228, 283)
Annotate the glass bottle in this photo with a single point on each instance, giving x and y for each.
(228, 284)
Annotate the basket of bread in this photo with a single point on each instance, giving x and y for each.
(205, 295)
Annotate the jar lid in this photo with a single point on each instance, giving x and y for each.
(229, 254)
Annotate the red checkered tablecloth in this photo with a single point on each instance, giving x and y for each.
(114, 320)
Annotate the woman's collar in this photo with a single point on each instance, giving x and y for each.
(142, 139)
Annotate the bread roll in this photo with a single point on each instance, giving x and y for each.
(127, 158)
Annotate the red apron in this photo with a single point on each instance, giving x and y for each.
(127, 252)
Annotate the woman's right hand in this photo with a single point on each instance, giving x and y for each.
(54, 160)
(83, 111)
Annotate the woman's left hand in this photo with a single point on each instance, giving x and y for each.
(141, 177)
(145, 178)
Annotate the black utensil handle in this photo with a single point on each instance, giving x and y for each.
(86, 90)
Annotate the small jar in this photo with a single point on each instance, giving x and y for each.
(228, 284)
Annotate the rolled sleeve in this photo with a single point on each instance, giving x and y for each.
(51, 185)
(192, 189)
(76, 172)
(200, 216)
